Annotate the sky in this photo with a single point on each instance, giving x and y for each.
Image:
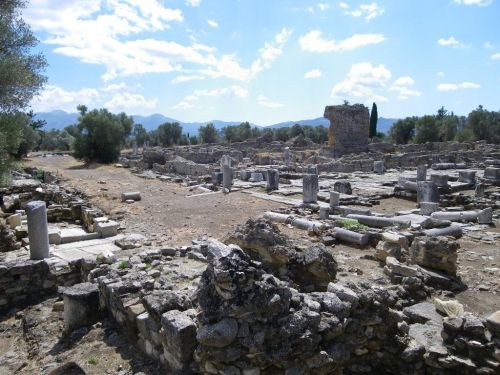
(267, 61)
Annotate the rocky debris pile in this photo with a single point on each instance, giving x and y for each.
(251, 322)
(310, 268)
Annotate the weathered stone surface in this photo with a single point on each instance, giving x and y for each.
(219, 334)
(493, 322)
(264, 242)
(310, 185)
(179, 332)
(343, 187)
(38, 230)
(349, 128)
(438, 253)
(422, 313)
(81, 306)
(132, 195)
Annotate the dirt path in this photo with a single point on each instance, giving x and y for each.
(165, 214)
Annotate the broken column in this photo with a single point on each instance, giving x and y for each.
(312, 169)
(469, 177)
(427, 208)
(485, 216)
(134, 147)
(81, 306)
(324, 213)
(427, 191)
(131, 196)
(38, 232)
(310, 187)
(287, 155)
(350, 236)
(225, 160)
(441, 180)
(492, 174)
(378, 167)
(479, 190)
(421, 172)
(334, 199)
(256, 177)
(273, 180)
(217, 178)
(227, 179)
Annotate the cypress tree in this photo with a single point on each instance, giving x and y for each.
(373, 121)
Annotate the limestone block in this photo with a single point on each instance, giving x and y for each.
(107, 229)
(179, 339)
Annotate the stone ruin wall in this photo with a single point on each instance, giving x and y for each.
(349, 128)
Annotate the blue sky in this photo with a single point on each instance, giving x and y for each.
(268, 61)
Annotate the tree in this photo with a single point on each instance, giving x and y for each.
(373, 121)
(426, 129)
(485, 124)
(208, 133)
(282, 134)
(296, 130)
(21, 78)
(402, 131)
(139, 134)
(101, 134)
(169, 133)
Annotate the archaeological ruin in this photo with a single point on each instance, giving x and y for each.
(351, 258)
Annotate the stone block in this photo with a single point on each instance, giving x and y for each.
(107, 229)
(437, 253)
(179, 339)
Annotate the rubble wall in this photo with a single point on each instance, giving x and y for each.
(25, 281)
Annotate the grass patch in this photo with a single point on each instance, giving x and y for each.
(123, 264)
(350, 224)
(92, 360)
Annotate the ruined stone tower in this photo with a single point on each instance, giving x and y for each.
(349, 128)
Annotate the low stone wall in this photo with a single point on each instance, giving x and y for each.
(243, 320)
(183, 167)
(25, 281)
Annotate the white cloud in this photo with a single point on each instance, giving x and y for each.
(314, 73)
(193, 3)
(213, 24)
(228, 66)
(103, 33)
(451, 41)
(401, 86)
(495, 56)
(183, 105)
(362, 82)
(488, 45)
(313, 42)
(457, 86)
(187, 78)
(127, 102)
(114, 87)
(474, 2)
(324, 6)
(368, 11)
(116, 97)
(440, 74)
(55, 97)
(265, 102)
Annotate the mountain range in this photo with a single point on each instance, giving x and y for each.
(60, 119)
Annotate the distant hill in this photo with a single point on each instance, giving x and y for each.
(57, 119)
(313, 122)
(61, 119)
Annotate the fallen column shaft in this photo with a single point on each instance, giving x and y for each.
(378, 222)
